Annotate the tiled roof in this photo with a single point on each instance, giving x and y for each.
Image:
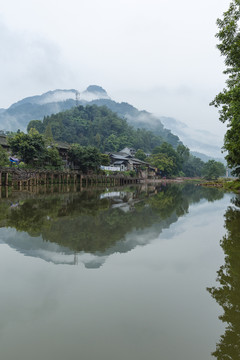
(62, 145)
(119, 157)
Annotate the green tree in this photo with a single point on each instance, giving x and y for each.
(111, 143)
(228, 101)
(48, 136)
(35, 124)
(140, 154)
(4, 158)
(52, 157)
(193, 166)
(29, 147)
(183, 152)
(213, 169)
(85, 157)
(169, 156)
(163, 163)
(105, 160)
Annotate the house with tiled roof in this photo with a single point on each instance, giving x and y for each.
(126, 161)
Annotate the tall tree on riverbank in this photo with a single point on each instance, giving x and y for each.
(228, 101)
(29, 147)
(212, 170)
(85, 157)
(227, 294)
(34, 151)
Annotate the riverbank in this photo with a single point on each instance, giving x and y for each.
(226, 184)
(174, 180)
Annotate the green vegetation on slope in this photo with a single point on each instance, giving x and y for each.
(96, 126)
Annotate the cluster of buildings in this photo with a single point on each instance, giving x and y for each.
(123, 160)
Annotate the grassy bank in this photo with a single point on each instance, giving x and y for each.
(226, 184)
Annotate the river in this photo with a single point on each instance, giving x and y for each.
(126, 273)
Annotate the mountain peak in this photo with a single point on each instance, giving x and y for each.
(96, 89)
(94, 92)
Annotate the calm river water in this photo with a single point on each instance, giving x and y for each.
(119, 274)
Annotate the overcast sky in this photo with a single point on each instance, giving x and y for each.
(158, 55)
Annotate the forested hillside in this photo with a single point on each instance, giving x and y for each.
(139, 119)
(97, 126)
(18, 115)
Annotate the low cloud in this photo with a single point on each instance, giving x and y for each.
(28, 63)
(60, 95)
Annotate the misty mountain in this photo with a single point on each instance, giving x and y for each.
(199, 141)
(206, 158)
(18, 115)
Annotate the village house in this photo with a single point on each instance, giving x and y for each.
(126, 161)
(63, 152)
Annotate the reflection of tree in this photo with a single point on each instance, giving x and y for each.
(86, 222)
(227, 294)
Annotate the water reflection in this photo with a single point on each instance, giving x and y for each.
(90, 225)
(227, 295)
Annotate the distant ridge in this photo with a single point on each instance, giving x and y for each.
(19, 114)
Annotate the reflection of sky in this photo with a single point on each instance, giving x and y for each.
(150, 303)
(52, 252)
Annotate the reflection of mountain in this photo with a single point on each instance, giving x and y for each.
(36, 247)
(227, 294)
(89, 226)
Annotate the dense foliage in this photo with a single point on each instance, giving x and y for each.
(96, 126)
(29, 147)
(228, 101)
(175, 162)
(140, 154)
(139, 119)
(37, 150)
(227, 295)
(4, 158)
(33, 150)
(213, 169)
(85, 157)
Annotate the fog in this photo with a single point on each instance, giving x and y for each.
(157, 55)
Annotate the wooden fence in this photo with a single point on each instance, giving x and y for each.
(19, 178)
